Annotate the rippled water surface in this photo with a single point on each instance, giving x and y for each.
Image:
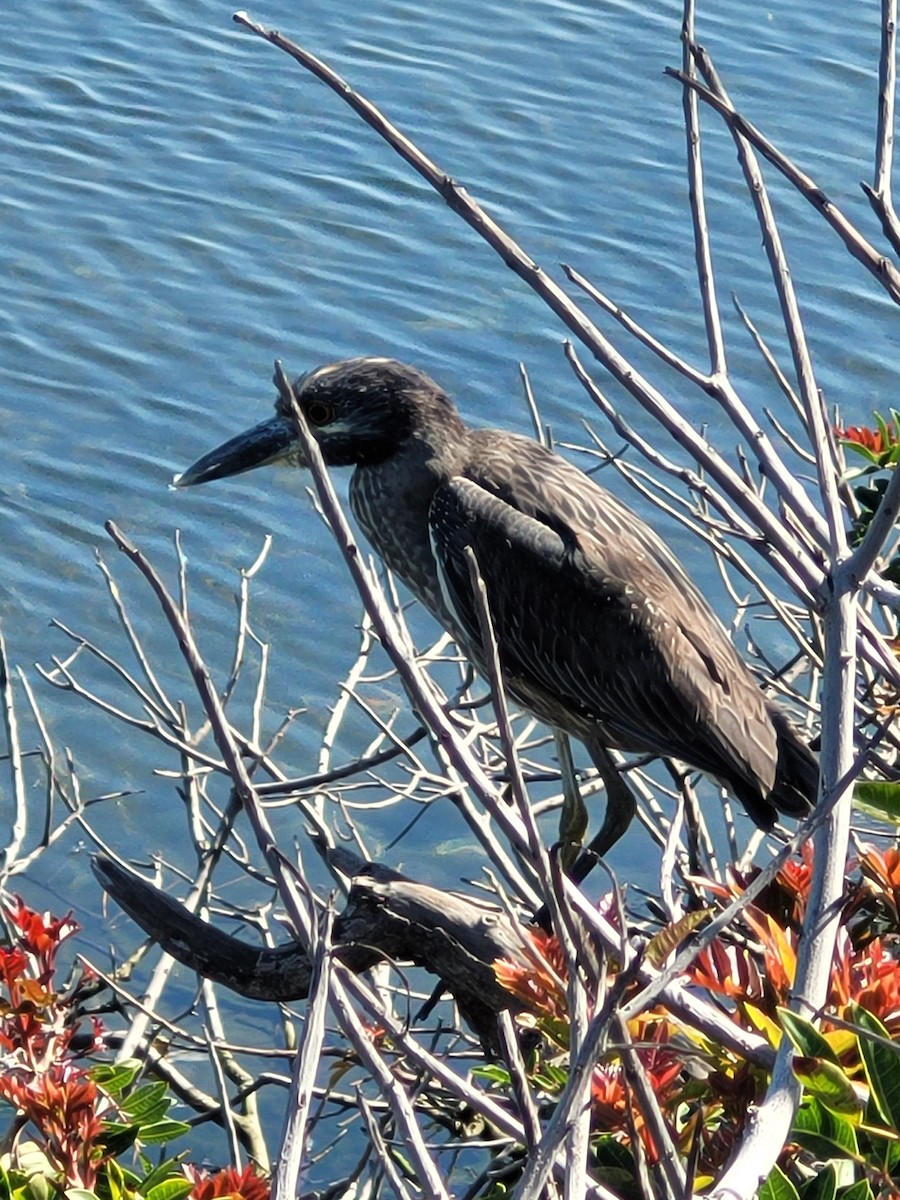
(181, 204)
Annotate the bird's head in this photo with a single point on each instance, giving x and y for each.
(361, 411)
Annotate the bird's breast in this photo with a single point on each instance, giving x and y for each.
(392, 511)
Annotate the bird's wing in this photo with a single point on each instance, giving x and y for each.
(591, 608)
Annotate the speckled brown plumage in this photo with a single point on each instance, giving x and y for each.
(601, 632)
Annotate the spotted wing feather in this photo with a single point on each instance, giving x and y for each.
(592, 611)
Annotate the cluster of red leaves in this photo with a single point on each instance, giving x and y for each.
(34, 1029)
(614, 1107)
(866, 967)
(39, 1075)
(879, 884)
(875, 440)
(867, 971)
(753, 973)
(62, 1106)
(757, 978)
(229, 1182)
(538, 980)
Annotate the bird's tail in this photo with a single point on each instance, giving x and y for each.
(797, 772)
(796, 778)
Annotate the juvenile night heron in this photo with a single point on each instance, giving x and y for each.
(600, 631)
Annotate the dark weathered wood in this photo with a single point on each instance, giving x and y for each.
(453, 937)
(259, 972)
(457, 938)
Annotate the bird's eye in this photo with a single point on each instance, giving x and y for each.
(319, 413)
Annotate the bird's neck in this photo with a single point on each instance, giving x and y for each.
(391, 502)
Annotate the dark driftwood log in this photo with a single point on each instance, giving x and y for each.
(454, 937)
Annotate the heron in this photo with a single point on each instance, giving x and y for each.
(601, 633)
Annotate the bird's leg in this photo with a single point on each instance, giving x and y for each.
(573, 819)
(620, 809)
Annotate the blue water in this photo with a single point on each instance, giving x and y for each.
(181, 204)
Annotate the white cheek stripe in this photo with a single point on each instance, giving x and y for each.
(337, 427)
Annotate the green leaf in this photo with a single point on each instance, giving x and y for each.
(115, 1078)
(40, 1187)
(822, 1186)
(163, 1131)
(890, 1164)
(550, 1078)
(76, 1193)
(823, 1134)
(170, 1168)
(112, 1180)
(857, 1191)
(31, 1159)
(831, 1087)
(863, 452)
(149, 1103)
(879, 799)
(122, 1177)
(614, 1161)
(777, 1187)
(39, 1170)
(883, 428)
(117, 1138)
(882, 1064)
(804, 1036)
(169, 1189)
(492, 1073)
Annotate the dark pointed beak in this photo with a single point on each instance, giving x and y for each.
(269, 442)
